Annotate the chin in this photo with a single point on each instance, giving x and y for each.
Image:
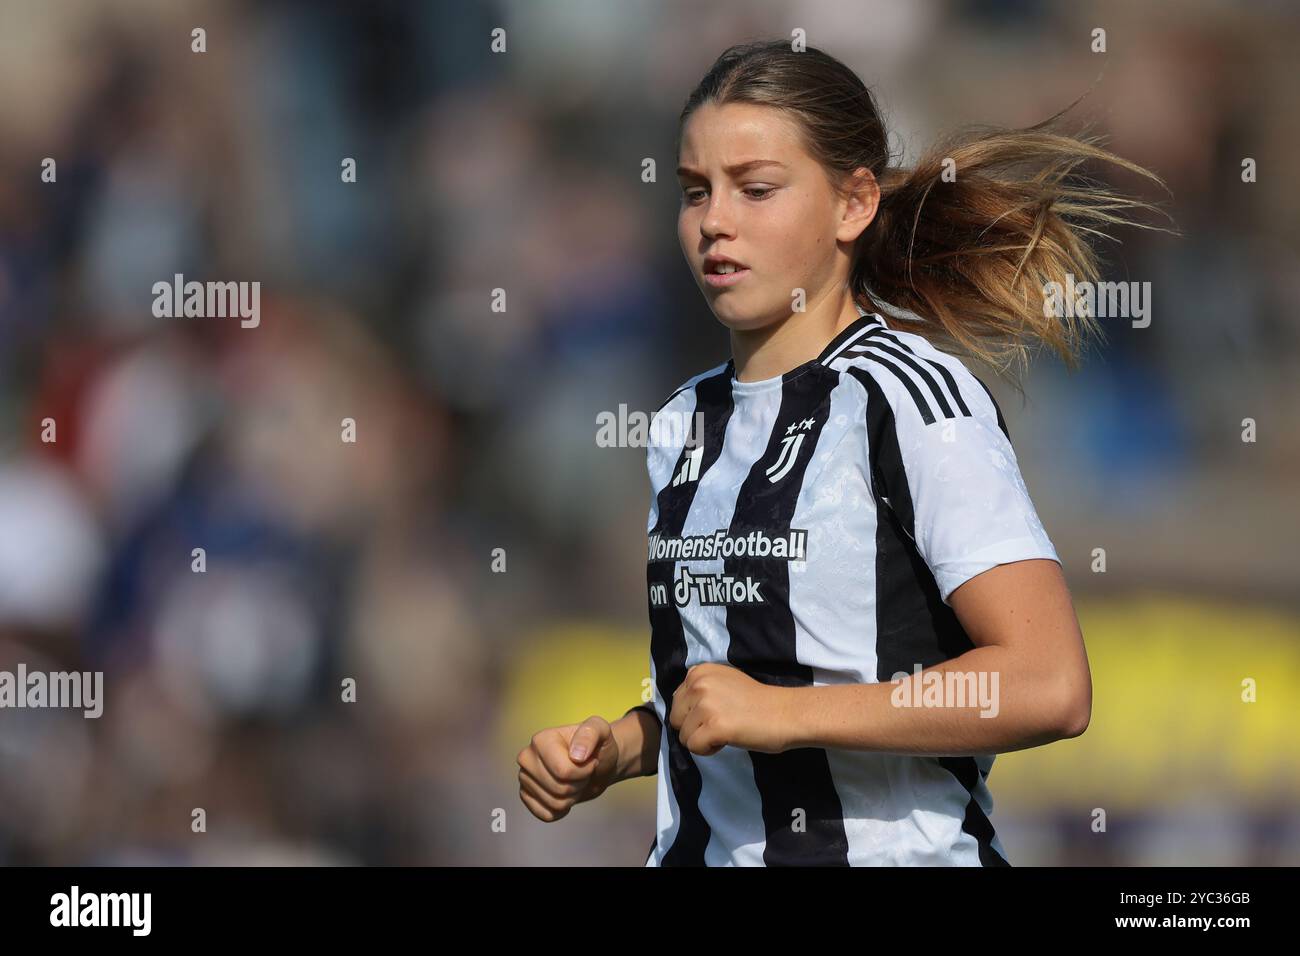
(726, 313)
(735, 314)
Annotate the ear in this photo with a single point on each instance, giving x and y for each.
(860, 206)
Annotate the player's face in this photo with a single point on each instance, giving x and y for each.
(779, 220)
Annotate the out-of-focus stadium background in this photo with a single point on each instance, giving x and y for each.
(476, 430)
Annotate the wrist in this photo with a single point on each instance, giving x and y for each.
(634, 734)
(620, 730)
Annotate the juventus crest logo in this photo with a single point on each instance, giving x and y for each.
(790, 446)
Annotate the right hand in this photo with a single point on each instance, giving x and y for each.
(552, 779)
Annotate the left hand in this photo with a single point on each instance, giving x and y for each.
(719, 705)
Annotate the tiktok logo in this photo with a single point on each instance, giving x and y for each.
(710, 590)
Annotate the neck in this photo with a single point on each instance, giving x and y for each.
(791, 341)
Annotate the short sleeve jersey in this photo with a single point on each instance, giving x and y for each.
(809, 529)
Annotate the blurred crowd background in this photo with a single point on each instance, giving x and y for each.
(474, 561)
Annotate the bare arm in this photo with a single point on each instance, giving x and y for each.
(1022, 621)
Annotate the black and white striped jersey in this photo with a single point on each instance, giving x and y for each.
(809, 533)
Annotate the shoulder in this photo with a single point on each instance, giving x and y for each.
(919, 384)
(684, 391)
(672, 424)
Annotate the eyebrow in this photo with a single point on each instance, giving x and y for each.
(735, 168)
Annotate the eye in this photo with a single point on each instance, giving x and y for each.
(757, 193)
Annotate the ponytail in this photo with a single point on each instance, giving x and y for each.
(969, 240)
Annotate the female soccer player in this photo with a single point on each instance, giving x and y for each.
(853, 603)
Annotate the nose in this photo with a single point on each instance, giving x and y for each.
(717, 220)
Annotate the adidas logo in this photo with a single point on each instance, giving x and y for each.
(690, 470)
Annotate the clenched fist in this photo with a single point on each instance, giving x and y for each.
(718, 705)
(563, 766)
